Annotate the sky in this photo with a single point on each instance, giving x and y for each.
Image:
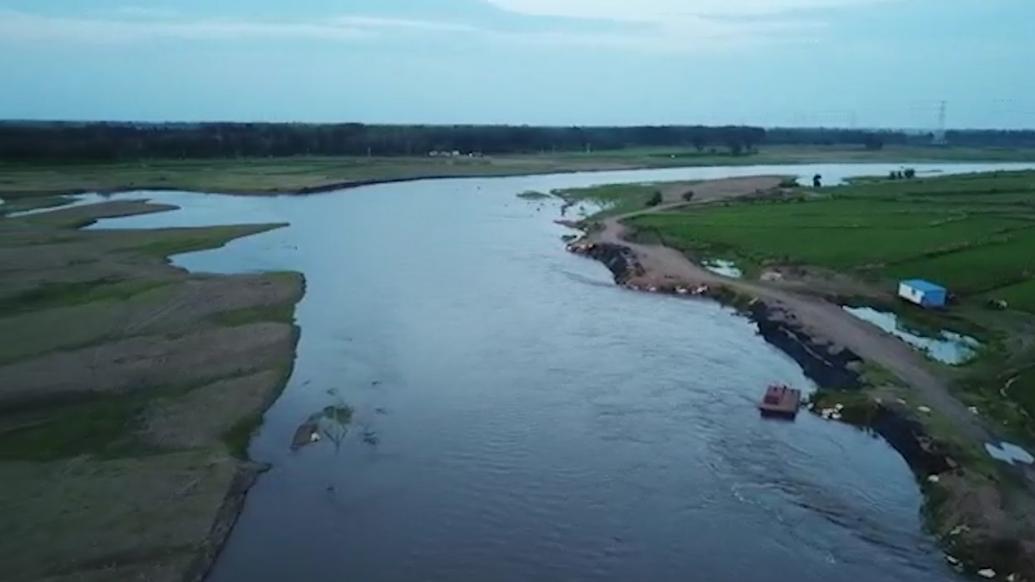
(846, 63)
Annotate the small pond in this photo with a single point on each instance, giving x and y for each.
(723, 267)
(948, 347)
(1009, 453)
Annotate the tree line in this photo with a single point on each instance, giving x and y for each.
(124, 141)
(992, 138)
(71, 141)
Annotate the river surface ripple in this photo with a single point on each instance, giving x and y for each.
(519, 417)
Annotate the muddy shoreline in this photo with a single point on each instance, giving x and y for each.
(838, 369)
(225, 520)
(828, 368)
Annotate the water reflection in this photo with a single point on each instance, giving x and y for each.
(723, 267)
(1009, 453)
(949, 347)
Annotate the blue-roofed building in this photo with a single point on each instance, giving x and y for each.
(923, 293)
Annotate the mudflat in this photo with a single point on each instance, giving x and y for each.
(128, 391)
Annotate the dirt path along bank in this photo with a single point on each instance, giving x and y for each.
(826, 322)
(982, 522)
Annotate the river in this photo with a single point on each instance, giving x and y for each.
(519, 417)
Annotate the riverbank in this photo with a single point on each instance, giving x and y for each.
(982, 512)
(308, 174)
(112, 413)
(129, 389)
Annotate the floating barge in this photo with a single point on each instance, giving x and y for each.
(780, 401)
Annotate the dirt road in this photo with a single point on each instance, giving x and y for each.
(821, 319)
(991, 516)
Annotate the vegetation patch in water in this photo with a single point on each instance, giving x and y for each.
(533, 195)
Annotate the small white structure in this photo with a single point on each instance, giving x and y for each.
(923, 293)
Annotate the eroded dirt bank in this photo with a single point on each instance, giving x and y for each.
(984, 523)
(128, 389)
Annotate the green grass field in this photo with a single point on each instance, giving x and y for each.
(50, 294)
(1023, 388)
(613, 199)
(1020, 296)
(985, 268)
(975, 234)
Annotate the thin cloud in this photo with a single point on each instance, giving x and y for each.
(665, 10)
(132, 24)
(134, 11)
(688, 33)
(22, 26)
(682, 25)
(698, 36)
(376, 22)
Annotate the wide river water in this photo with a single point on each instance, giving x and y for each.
(519, 417)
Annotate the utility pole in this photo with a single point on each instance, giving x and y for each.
(939, 134)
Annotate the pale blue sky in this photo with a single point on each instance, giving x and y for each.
(560, 62)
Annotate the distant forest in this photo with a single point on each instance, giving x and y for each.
(71, 141)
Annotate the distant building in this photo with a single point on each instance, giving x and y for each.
(923, 293)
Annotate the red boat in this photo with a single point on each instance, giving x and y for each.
(780, 401)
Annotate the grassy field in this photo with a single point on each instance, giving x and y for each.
(613, 199)
(292, 174)
(1020, 296)
(841, 234)
(112, 469)
(975, 234)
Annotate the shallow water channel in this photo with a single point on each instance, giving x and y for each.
(519, 417)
